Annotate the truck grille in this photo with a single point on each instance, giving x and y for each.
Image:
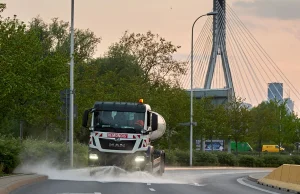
(117, 145)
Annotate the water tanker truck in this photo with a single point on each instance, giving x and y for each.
(121, 134)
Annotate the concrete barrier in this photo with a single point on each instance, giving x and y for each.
(11, 183)
(285, 177)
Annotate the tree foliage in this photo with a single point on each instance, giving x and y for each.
(154, 55)
(34, 69)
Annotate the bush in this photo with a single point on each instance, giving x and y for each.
(1, 168)
(10, 149)
(259, 162)
(296, 159)
(171, 158)
(277, 160)
(286, 160)
(247, 161)
(226, 159)
(182, 157)
(54, 153)
(205, 158)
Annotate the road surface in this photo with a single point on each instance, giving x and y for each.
(196, 181)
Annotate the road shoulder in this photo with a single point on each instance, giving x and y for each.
(13, 182)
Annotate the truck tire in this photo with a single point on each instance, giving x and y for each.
(161, 171)
(92, 173)
(150, 165)
(162, 164)
(149, 168)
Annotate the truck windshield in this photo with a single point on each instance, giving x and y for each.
(117, 121)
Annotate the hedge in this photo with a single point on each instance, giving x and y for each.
(226, 159)
(13, 152)
(54, 153)
(181, 158)
(9, 154)
(205, 159)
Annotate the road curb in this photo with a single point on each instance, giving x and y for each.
(251, 178)
(13, 186)
(214, 168)
(289, 187)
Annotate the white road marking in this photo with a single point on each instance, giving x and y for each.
(148, 183)
(80, 193)
(199, 185)
(240, 180)
(151, 189)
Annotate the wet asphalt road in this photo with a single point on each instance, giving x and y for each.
(173, 181)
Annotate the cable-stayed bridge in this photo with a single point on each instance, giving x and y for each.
(229, 61)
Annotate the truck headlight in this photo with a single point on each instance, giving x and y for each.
(93, 156)
(139, 159)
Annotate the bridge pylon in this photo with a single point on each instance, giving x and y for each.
(226, 94)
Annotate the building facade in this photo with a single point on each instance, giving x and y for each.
(275, 91)
(289, 105)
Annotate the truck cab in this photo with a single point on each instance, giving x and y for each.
(121, 135)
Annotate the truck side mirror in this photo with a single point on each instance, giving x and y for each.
(85, 118)
(154, 124)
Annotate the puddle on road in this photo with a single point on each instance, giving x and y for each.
(103, 174)
(115, 174)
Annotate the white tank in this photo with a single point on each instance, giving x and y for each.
(161, 127)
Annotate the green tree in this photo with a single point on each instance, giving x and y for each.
(155, 55)
(28, 78)
(284, 127)
(55, 36)
(173, 104)
(211, 119)
(263, 121)
(239, 119)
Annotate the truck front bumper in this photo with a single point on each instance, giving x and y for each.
(136, 160)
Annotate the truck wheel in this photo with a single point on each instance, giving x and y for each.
(161, 165)
(92, 173)
(149, 168)
(160, 172)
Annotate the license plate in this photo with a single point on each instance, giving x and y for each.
(117, 135)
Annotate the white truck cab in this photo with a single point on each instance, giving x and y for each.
(121, 135)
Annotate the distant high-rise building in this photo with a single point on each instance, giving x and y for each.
(275, 91)
(247, 105)
(289, 105)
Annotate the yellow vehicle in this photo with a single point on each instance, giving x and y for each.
(271, 148)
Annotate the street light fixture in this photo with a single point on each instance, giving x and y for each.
(212, 13)
(192, 72)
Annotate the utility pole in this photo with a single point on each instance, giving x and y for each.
(192, 77)
(71, 117)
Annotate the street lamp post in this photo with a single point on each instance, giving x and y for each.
(192, 72)
(71, 117)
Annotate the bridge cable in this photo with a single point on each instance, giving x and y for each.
(205, 61)
(222, 25)
(233, 48)
(243, 54)
(247, 56)
(266, 54)
(269, 60)
(197, 45)
(247, 40)
(200, 61)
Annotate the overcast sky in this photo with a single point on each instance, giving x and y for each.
(277, 9)
(275, 23)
